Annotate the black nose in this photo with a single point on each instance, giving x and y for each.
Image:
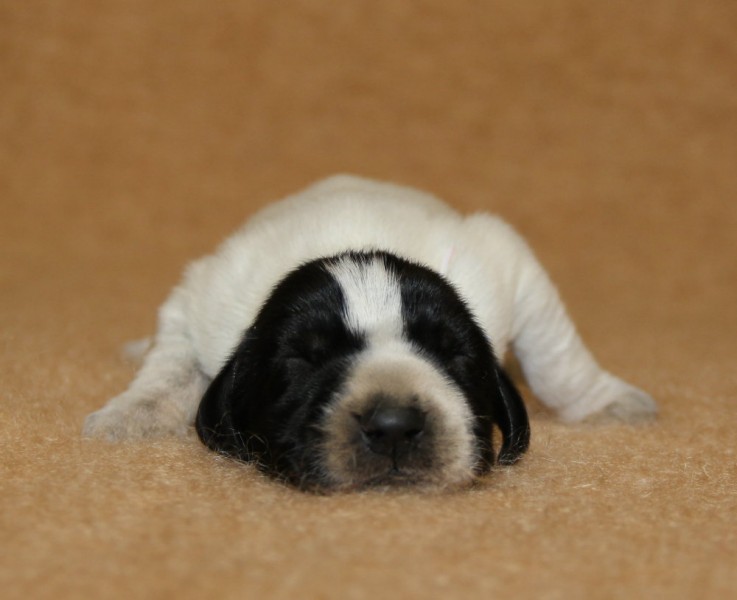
(389, 430)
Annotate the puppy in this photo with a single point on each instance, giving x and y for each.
(350, 335)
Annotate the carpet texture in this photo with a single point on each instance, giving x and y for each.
(135, 135)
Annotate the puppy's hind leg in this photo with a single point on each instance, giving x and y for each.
(559, 368)
(163, 398)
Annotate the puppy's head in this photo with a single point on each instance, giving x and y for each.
(364, 369)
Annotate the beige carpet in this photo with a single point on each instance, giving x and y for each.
(134, 135)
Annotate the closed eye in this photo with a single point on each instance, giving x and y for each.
(315, 348)
(439, 340)
(297, 362)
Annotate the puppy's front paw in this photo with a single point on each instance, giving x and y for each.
(629, 405)
(127, 418)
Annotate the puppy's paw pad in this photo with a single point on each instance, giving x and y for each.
(137, 420)
(632, 405)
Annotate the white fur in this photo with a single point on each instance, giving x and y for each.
(372, 297)
(489, 264)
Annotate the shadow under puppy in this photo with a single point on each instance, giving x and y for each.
(348, 336)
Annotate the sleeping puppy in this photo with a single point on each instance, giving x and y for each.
(348, 336)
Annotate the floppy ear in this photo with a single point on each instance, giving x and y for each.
(214, 421)
(512, 420)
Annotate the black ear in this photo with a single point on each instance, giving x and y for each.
(512, 420)
(214, 421)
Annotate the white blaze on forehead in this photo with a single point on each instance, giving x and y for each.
(372, 296)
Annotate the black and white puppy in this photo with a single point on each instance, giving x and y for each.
(349, 336)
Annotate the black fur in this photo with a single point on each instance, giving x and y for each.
(266, 403)
(442, 327)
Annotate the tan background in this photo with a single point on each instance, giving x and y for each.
(134, 135)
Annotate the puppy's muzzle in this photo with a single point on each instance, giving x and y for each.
(391, 430)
